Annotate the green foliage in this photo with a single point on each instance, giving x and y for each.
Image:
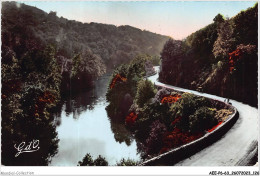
(171, 55)
(148, 114)
(207, 51)
(10, 68)
(118, 93)
(29, 92)
(225, 41)
(87, 161)
(75, 44)
(100, 161)
(121, 133)
(145, 91)
(246, 26)
(172, 48)
(187, 106)
(202, 119)
(40, 67)
(128, 162)
(219, 19)
(38, 61)
(156, 60)
(115, 45)
(189, 103)
(76, 63)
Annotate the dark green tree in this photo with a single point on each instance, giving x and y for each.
(219, 19)
(145, 91)
(87, 161)
(100, 161)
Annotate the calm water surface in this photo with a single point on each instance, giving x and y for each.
(84, 127)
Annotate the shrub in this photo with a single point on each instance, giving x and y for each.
(148, 114)
(203, 119)
(100, 161)
(87, 161)
(177, 138)
(161, 93)
(128, 162)
(154, 142)
(186, 106)
(156, 60)
(223, 114)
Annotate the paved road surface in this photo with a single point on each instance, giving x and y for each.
(236, 147)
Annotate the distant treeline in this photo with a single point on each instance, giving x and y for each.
(220, 59)
(25, 27)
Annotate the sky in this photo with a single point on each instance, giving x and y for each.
(176, 19)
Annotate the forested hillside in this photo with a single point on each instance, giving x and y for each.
(45, 57)
(28, 26)
(220, 59)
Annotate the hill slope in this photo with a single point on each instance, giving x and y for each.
(112, 44)
(219, 59)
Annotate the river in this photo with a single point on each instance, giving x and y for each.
(84, 127)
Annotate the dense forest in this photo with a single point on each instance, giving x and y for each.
(30, 27)
(220, 59)
(44, 57)
(92, 47)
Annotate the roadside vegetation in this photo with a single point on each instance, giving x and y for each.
(160, 119)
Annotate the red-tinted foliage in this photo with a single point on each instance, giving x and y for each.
(130, 119)
(170, 98)
(233, 57)
(176, 120)
(238, 53)
(213, 128)
(177, 138)
(46, 98)
(116, 79)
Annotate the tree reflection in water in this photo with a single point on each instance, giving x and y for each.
(78, 103)
(121, 134)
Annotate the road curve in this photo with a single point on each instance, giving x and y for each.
(237, 147)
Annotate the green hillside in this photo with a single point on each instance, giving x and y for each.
(220, 59)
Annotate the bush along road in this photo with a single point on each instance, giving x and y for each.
(237, 146)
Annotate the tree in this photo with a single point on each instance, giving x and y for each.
(202, 119)
(171, 57)
(154, 142)
(172, 48)
(126, 162)
(219, 19)
(225, 41)
(100, 161)
(185, 107)
(76, 64)
(145, 91)
(87, 161)
(156, 60)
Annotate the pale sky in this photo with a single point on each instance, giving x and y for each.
(176, 19)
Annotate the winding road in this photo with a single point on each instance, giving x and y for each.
(237, 147)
